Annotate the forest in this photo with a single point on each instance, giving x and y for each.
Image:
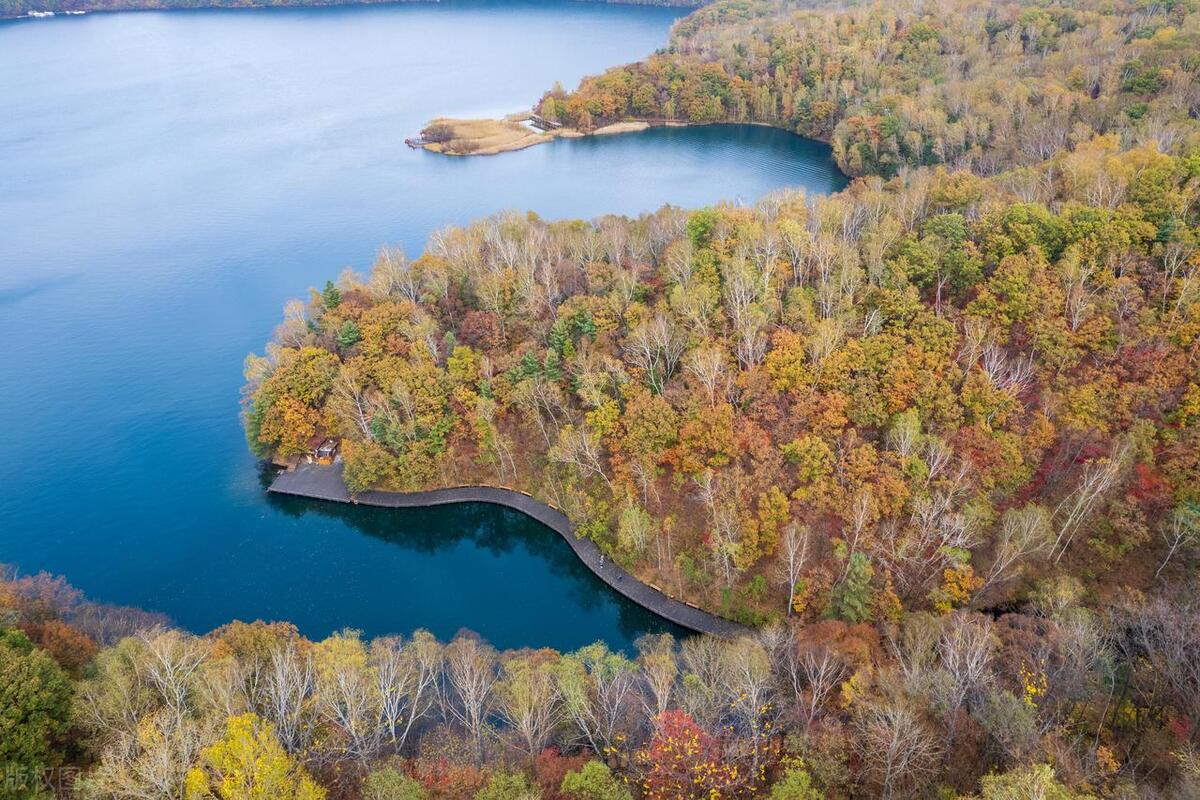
(1054, 701)
(981, 86)
(940, 399)
(936, 438)
(924, 393)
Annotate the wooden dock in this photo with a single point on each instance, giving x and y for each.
(322, 482)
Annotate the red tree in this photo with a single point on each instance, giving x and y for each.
(683, 762)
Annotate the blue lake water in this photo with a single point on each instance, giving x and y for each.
(169, 180)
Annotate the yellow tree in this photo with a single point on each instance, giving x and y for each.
(249, 764)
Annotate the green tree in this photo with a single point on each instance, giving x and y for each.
(594, 781)
(850, 599)
(348, 335)
(390, 783)
(331, 295)
(35, 712)
(796, 784)
(504, 786)
(1035, 782)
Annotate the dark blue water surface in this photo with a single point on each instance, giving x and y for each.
(169, 180)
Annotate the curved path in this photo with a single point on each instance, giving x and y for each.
(325, 483)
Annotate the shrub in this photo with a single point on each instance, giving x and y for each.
(503, 786)
(390, 783)
(595, 781)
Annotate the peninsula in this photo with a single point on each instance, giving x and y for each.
(486, 137)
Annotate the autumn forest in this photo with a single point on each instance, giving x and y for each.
(934, 438)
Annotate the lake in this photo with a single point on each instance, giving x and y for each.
(169, 180)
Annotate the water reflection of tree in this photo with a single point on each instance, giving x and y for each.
(494, 529)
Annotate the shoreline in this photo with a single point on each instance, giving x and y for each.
(489, 137)
(317, 482)
(213, 5)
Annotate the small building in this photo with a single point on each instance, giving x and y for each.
(326, 452)
(321, 450)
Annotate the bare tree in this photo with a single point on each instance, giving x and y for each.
(468, 681)
(822, 670)
(898, 751)
(578, 447)
(1098, 478)
(656, 347)
(659, 670)
(707, 365)
(705, 693)
(150, 766)
(288, 688)
(724, 531)
(1182, 530)
(394, 276)
(172, 665)
(597, 687)
(1025, 534)
(354, 397)
(348, 698)
(294, 330)
(965, 651)
(528, 699)
(793, 555)
(407, 675)
(747, 677)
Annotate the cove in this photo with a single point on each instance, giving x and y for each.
(169, 180)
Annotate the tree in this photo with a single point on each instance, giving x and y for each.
(66, 644)
(249, 764)
(898, 751)
(35, 711)
(796, 784)
(594, 781)
(1033, 782)
(331, 295)
(682, 762)
(528, 698)
(348, 335)
(850, 599)
(598, 689)
(1181, 530)
(469, 682)
(390, 783)
(945, 260)
(504, 786)
(792, 558)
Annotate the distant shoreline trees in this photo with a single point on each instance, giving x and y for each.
(892, 85)
(13, 9)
